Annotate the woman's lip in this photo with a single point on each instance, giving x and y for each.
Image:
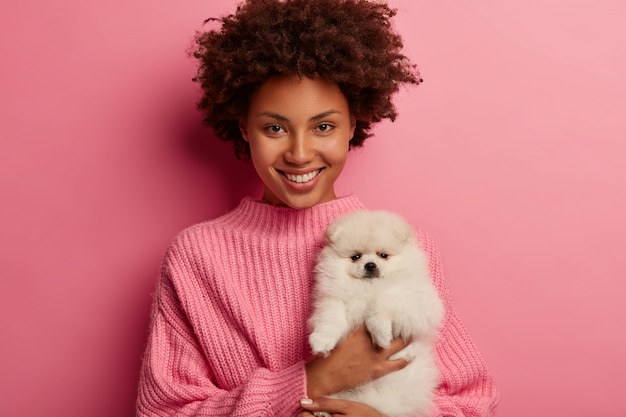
(302, 187)
(293, 172)
(301, 177)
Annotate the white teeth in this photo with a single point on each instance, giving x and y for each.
(302, 178)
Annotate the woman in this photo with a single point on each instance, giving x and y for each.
(293, 85)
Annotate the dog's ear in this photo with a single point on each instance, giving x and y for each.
(400, 229)
(404, 234)
(332, 233)
(339, 227)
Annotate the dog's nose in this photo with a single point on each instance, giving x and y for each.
(370, 267)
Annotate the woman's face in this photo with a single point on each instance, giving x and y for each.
(299, 132)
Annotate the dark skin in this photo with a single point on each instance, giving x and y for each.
(353, 362)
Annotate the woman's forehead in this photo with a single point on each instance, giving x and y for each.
(291, 96)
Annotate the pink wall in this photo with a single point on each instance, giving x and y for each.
(510, 154)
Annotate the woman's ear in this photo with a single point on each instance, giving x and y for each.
(243, 128)
(352, 129)
(352, 126)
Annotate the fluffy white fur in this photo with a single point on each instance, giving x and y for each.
(371, 271)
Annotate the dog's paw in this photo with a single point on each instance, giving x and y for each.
(380, 331)
(403, 329)
(408, 354)
(381, 340)
(321, 344)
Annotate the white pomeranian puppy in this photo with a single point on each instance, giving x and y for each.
(372, 272)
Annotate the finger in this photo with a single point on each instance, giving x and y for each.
(337, 408)
(401, 362)
(322, 414)
(396, 346)
(329, 405)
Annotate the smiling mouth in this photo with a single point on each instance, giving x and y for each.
(302, 178)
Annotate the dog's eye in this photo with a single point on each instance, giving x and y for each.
(356, 257)
(383, 255)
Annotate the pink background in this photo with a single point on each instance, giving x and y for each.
(511, 155)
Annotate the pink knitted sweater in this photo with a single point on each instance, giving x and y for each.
(228, 335)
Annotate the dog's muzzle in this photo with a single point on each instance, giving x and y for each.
(371, 270)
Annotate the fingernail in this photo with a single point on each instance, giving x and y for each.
(306, 401)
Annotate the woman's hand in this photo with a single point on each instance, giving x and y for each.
(335, 408)
(354, 361)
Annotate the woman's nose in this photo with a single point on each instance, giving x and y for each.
(301, 149)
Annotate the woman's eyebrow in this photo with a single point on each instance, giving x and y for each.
(282, 118)
(323, 115)
(273, 116)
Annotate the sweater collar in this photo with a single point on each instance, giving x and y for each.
(258, 216)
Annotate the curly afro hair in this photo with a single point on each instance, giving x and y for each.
(348, 42)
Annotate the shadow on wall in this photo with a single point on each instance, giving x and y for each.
(210, 179)
(231, 179)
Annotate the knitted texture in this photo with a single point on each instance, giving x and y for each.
(228, 335)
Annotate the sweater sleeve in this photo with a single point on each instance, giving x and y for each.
(466, 388)
(176, 379)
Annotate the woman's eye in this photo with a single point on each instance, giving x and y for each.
(274, 129)
(383, 255)
(325, 127)
(356, 257)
